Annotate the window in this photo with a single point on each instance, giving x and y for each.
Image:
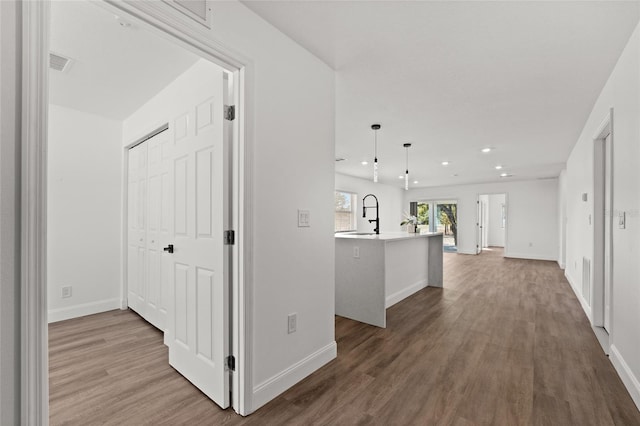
(345, 219)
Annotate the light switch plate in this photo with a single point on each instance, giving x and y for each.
(304, 219)
(621, 220)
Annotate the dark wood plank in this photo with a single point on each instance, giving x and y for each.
(504, 343)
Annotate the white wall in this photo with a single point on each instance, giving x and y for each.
(532, 225)
(291, 130)
(622, 93)
(10, 135)
(291, 112)
(84, 213)
(562, 218)
(175, 99)
(495, 230)
(390, 201)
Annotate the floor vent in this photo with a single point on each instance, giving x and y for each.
(58, 63)
(586, 280)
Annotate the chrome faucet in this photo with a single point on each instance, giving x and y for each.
(364, 212)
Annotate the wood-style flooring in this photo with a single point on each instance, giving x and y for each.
(504, 343)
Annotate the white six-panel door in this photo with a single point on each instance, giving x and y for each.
(198, 323)
(177, 182)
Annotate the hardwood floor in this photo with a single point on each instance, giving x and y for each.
(504, 343)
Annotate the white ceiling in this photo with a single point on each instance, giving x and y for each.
(454, 77)
(115, 69)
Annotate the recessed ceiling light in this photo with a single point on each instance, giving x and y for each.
(445, 163)
(415, 181)
(364, 163)
(505, 175)
(400, 177)
(498, 167)
(485, 150)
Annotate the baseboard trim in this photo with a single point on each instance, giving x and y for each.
(271, 388)
(75, 311)
(585, 307)
(630, 381)
(466, 252)
(404, 293)
(530, 256)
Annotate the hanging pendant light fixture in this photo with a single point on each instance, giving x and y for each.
(406, 172)
(375, 128)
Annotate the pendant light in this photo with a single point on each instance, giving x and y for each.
(406, 172)
(375, 128)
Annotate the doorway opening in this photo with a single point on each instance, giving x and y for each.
(140, 93)
(491, 223)
(603, 216)
(439, 216)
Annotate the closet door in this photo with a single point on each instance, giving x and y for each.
(149, 203)
(157, 235)
(137, 222)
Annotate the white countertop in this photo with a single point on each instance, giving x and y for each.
(386, 236)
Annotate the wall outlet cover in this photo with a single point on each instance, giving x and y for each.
(66, 292)
(292, 323)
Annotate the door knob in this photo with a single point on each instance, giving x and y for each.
(168, 248)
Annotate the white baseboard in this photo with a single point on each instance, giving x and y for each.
(561, 265)
(630, 381)
(75, 311)
(529, 256)
(274, 386)
(466, 252)
(585, 307)
(404, 293)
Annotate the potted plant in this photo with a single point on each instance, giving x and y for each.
(411, 222)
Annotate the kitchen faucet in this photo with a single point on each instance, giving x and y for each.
(364, 212)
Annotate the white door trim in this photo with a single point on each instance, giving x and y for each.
(600, 219)
(168, 23)
(34, 328)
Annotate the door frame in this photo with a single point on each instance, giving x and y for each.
(600, 220)
(170, 24)
(506, 221)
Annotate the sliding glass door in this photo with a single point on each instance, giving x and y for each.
(440, 216)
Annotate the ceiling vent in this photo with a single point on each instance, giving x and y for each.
(340, 159)
(58, 63)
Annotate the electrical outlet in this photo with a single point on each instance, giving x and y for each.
(66, 292)
(356, 252)
(292, 321)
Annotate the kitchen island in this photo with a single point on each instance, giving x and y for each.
(374, 272)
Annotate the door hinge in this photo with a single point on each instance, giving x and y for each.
(231, 363)
(229, 237)
(230, 112)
